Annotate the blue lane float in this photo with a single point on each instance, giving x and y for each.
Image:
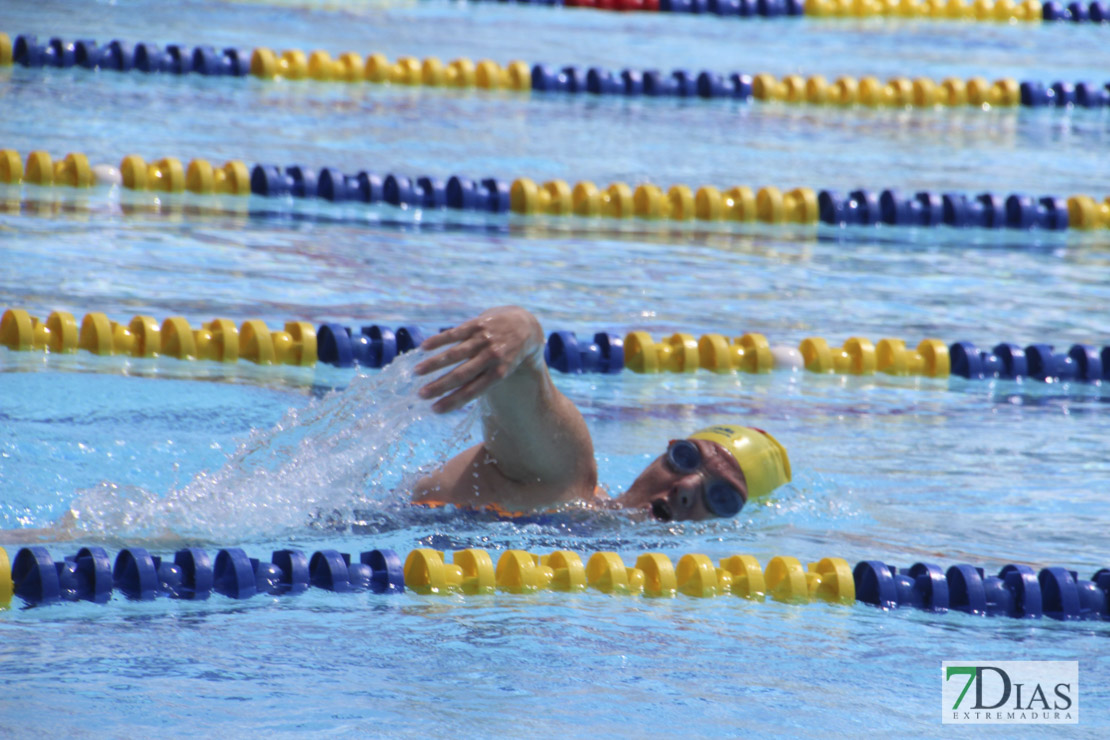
(1017, 591)
(387, 572)
(197, 580)
(233, 575)
(86, 576)
(122, 56)
(458, 193)
(1081, 362)
(193, 575)
(142, 577)
(958, 210)
(331, 571)
(605, 354)
(373, 346)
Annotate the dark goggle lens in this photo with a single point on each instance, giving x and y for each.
(684, 456)
(723, 499)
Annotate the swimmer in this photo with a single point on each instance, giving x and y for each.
(536, 450)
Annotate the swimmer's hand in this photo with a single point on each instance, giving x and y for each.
(486, 350)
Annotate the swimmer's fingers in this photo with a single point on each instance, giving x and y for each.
(466, 393)
(465, 349)
(448, 336)
(455, 379)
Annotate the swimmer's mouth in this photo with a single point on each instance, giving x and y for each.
(661, 510)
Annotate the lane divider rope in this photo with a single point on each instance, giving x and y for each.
(1017, 591)
(1000, 11)
(518, 76)
(376, 345)
(524, 196)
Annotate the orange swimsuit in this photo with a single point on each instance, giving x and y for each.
(500, 511)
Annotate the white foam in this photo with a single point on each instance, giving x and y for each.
(367, 442)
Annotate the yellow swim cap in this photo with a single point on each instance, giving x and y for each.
(762, 458)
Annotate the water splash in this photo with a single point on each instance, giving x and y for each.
(367, 443)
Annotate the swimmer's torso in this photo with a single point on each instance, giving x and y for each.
(473, 479)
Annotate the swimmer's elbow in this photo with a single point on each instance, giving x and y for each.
(428, 488)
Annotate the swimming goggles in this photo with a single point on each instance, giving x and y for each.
(721, 497)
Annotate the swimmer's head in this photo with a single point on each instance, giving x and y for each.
(712, 473)
(760, 456)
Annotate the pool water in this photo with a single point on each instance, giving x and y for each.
(885, 468)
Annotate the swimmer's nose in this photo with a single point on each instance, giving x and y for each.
(661, 510)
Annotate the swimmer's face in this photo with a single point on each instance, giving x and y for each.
(673, 495)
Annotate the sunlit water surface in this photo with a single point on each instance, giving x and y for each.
(893, 469)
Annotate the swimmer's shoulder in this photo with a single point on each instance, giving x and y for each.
(472, 479)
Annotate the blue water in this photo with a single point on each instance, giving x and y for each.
(895, 469)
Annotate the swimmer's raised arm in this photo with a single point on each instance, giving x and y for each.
(536, 449)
